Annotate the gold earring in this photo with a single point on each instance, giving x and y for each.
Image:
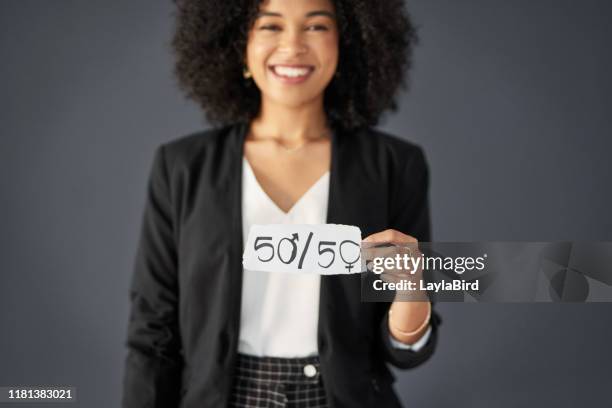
(246, 73)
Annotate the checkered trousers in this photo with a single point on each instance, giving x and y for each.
(274, 382)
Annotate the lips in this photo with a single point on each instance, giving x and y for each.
(291, 73)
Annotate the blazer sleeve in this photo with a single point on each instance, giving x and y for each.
(409, 213)
(153, 366)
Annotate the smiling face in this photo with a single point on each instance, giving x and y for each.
(292, 50)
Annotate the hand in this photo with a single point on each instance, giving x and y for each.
(397, 262)
(410, 318)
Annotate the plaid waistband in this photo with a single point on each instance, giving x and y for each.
(303, 370)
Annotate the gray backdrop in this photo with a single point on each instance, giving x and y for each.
(511, 101)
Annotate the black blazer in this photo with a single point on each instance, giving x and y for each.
(185, 292)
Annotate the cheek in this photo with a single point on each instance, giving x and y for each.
(327, 47)
(257, 53)
(328, 54)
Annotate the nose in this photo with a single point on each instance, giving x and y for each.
(292, 42)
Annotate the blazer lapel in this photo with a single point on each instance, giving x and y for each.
(356, 197)
(236, 147)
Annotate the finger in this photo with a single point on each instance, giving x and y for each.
(392, 236)
(370, 252)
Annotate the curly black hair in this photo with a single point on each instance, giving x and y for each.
(376, 39)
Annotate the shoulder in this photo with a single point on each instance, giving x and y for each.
(198, 146)
(394, 151)
(207, 157)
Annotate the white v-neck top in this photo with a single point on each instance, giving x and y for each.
(280, 312)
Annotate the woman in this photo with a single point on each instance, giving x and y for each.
(296, 86)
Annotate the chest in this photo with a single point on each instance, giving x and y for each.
(285, 177)
(211, 231)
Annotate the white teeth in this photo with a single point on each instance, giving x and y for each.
(291, 72)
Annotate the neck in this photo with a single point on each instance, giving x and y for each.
(290, 124)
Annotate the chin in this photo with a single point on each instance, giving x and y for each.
(294, 98)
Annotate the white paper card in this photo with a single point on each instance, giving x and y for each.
(325, 249)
